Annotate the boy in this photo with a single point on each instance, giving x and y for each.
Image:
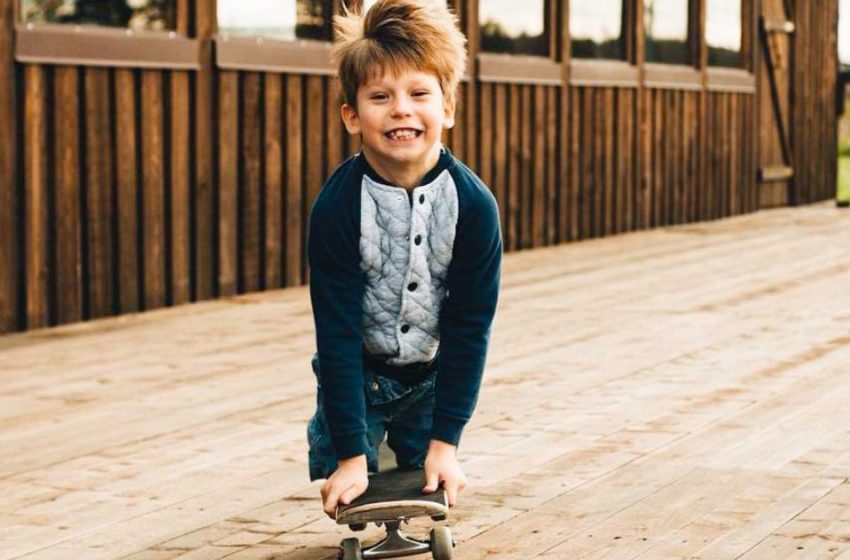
(405, 252)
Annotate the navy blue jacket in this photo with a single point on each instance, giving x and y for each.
(336, 292)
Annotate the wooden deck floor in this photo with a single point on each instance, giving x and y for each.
(679, 393)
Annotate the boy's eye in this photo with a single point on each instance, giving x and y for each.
(420, 93)
(378, 96)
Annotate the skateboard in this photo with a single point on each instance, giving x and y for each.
(393, 498)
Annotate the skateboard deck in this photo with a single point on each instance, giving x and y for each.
(391, 496)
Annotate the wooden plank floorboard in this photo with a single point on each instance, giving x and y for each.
(676, 393)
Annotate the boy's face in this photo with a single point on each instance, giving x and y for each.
(400, 117)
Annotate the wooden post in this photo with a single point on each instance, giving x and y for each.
(753, 62)
(179, 122)
(796, 96)
(697, 45)
(699, 52)
(565, 186)
(205, 284)
(36, 229)
(642, 148)
(10, 256)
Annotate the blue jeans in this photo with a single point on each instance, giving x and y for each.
(403, 413)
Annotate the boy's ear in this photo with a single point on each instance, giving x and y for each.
(349, 117)
(449, 108)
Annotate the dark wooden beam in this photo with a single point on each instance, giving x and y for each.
(204, 185)
(696, 34)
(10, 256)
(641, 122)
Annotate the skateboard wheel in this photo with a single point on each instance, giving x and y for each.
(441, 543)
(357, 526)
(351, 550)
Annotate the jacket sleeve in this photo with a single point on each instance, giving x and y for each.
(336, 294)
(467, 315)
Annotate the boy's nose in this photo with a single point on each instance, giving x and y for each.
(401, 106)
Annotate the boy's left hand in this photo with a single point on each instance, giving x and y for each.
(441, 466)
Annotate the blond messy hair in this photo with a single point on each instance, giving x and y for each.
(395, 36)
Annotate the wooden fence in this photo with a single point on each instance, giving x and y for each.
(128, 189)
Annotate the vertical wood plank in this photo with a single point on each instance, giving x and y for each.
(644, 202)
(600, 186)
(180, 286)
(127, 192)
(204, 187)
(153, 191)
(472, 116)
(720, 159)
(314, 152)
(294, 176)
(675, 149)
(333, 123)
(756, 59)
(748, 142)
(732, 156)
(658, 193)
(273, 181)
(746, 155)
(36, 237)
(457, 135)
(712, 161)
(609, 204)
(588, 176)
(632, 150)
(637, 51)
(486, 128)
(182, 17)
(574, 192)
(537, 184)
(620, 157)
(228, 181)
(250, 217)
(690, 178)
(702, 148)
(726, 155)
(470, 124)
(10, 253)
(99, 173)
(314, 140)
(551, 162)
(501, 159)
(666, 153)
(69, 264)
(514, 163)
(526, 167)
(564, 168)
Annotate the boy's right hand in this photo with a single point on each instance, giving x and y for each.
(350, 479)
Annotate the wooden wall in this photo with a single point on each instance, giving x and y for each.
(125, 190)
(814, 130)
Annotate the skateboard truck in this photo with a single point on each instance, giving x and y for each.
(396, 544)
(392, 499)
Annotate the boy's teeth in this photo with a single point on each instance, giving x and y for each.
(402, 134)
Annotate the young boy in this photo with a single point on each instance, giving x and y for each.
(405, 253)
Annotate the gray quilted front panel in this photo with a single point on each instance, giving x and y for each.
(405, 281)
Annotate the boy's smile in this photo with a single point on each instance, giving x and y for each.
(400, 119)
